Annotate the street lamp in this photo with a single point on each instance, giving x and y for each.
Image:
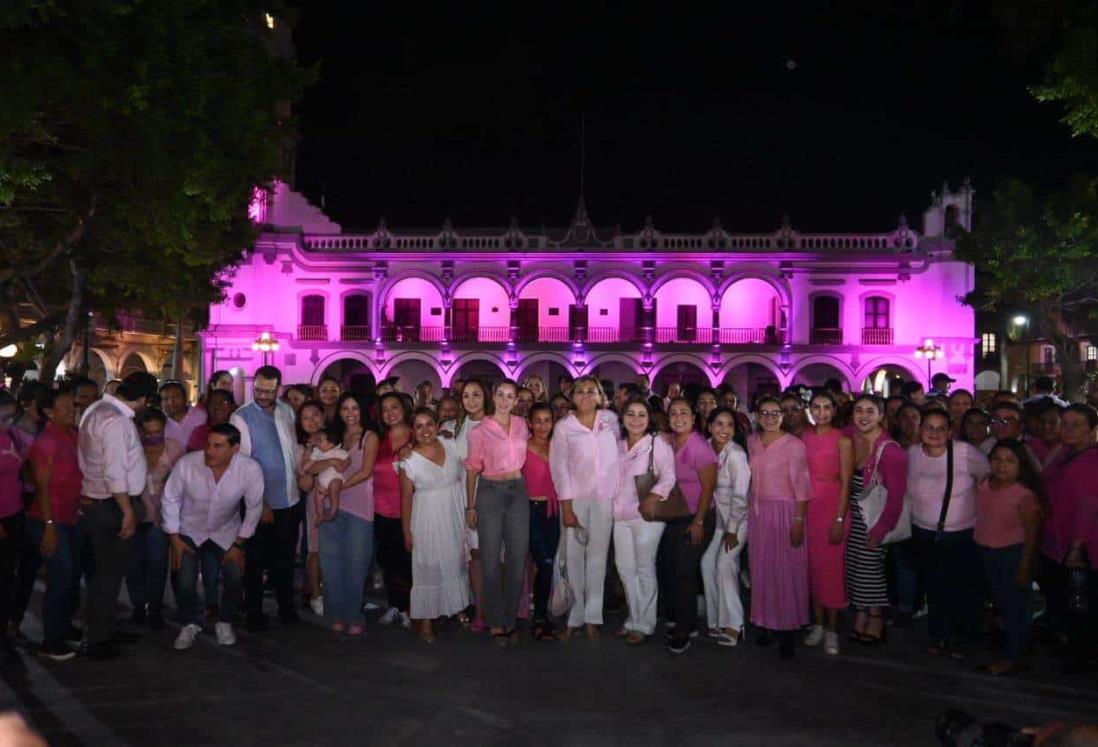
(266, 343)
(931, 352)
(1023, 321)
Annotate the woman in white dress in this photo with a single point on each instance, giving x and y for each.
(720, 565)
(432, 496)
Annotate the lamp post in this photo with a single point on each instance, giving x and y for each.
(266, 343)
(931, 352)
(1023, 321)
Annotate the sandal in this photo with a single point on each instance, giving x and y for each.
(356, 630)
(500, 639)
(464, 621)
(621, 633)
(635, 639)
(478, 626)
(593, 633)
(543, 632)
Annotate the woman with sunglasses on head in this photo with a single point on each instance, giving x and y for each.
(585, 466)
(777, 507)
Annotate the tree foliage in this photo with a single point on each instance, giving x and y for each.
(1072, 78)
(132, 137)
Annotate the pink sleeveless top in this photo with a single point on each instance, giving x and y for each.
(539, 480)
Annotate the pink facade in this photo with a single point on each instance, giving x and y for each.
(757, 310)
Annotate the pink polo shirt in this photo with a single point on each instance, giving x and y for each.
(695, 454)
(492, 452)
(999, 514)
(1070, 479)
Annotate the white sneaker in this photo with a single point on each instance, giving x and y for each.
(815, 636)
(317, 605)
(405, 621)
(186, 637)
(390, 617)
(831, 643)
(225, 634)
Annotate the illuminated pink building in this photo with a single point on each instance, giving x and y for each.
(758, 310)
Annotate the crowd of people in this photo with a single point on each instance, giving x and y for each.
(513, 511)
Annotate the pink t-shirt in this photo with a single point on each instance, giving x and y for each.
(11, 484)
(358, 500)
(998, 514)
(493, 452)
(695, 454)
(926, 481)
(1068, 480)
(57, 447)
(779, 472)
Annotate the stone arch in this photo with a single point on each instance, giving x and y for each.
(529, 360)
(685, 290)
(747, 386)
(453, 368)
(630, 277)
(327, 361)
(390, 283)
(536, 275)
(147, 360)
(839, 365)
(777, 283)
(697, 361)
(682, 272)
(913, 370)
(479, 274)
(109, 370)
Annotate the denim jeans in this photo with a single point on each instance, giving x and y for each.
(544, 537)
(503, 524)
(1001, 568)
(62, 575)
(186, 582)
(346, 546)
(148, 573)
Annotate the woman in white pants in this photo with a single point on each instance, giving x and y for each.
(583, 459)
(721, 563)
(636, 541)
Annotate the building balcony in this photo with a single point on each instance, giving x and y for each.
(354, 333)
(876, 335)
(312, 332)
(826, 337)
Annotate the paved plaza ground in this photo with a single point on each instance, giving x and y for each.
(301, 685)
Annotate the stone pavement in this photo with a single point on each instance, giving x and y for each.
(301, 685)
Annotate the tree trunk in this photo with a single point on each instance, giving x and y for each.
(60, 348)
(177, 349)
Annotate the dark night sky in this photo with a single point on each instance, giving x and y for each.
(425, 112)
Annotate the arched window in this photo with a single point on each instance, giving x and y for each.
(356, 317)
(312, 325)
(877, 329)
(826, 329)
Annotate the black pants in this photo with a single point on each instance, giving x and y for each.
(102, 522)
(1054, 579)
(544, 537)
(395, 561)
(11, 547)
(955, 588)
(271, 549)
(1081, 628)
(684, 567)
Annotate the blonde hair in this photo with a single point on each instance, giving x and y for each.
(589, 379)
(544, 389)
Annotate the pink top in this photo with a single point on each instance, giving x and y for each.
(11, 484)
(690, 458)
(57, 448)
(999, 514)
(584, 461)
(634, 462)
(386, 481)
(824, 461)
(779, 472)
(926, 481)
(1087, 526)
(156, 478)
(893, 468)
(358, 500)
(539, 480)
(1069, 481)
(492, 452)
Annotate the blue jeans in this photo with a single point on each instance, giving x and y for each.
(544, 537)
(148, 573)
(346, 546)
(62, 575)
(1001, 568)
(186, 582)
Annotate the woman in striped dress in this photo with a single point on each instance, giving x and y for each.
(874, 452)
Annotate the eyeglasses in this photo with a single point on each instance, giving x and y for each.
(263, 390)
(936, 428)
(770, 413)
(1004, 421)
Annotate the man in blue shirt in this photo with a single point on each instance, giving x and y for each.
(267, 435)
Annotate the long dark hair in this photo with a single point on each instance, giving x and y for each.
(653, 427)
(737, 432)
(302, 436)
(1027, 472)
(338, 428)
(405, 406)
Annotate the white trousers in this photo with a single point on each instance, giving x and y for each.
(636, 543)
(720, 571)
(587, 563)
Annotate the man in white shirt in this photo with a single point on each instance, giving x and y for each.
(182, 419)
(114, 471)
(201, 513)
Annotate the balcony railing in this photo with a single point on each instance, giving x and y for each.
(480, 334)
(312, 332)
(354, 333)
(411, 333)
(876, 335)
(562, 335)
(826, 337)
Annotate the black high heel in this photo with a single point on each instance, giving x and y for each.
(875, 640)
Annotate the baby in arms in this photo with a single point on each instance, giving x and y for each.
(330, 480)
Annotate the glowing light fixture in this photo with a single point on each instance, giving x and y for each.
(931, 352)
(270, 20)
(8, 351)
(266, 343)
(1021, 320)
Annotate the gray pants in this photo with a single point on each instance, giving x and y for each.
(503, 521)
(102, 522)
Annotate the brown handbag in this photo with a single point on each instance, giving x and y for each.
(651, 506)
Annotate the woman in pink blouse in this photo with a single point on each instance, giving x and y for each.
(584, 462)
(777, 506)
(395, 432)
(685, 539)
(942, 531)
(635, 540)
(499, 509)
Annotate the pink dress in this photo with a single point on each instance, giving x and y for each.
(779, 571)
(826, 562)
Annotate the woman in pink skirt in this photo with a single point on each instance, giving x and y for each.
(830, 465)
(777, 505)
